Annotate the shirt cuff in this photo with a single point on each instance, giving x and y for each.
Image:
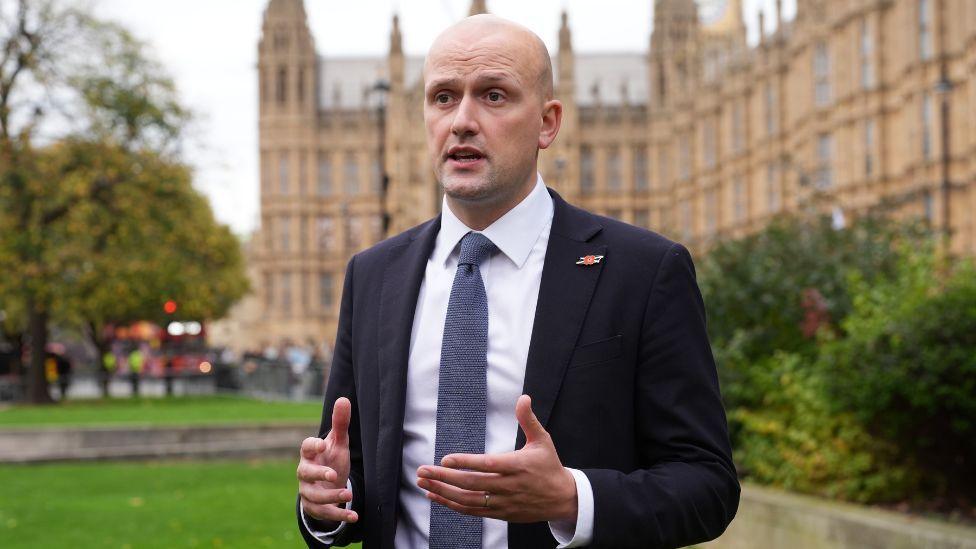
(329, 537)
(580, 533)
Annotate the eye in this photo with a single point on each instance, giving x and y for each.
(494, 96)
(442, 98)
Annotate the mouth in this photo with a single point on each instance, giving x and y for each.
(464, 156)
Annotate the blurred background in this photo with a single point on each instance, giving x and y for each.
(182, 184)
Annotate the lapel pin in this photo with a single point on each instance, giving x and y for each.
(590, 260)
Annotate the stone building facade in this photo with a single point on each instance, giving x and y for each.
(852, 105)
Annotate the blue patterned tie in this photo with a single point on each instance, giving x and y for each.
(462, 393)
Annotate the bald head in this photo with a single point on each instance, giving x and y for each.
(473, 35)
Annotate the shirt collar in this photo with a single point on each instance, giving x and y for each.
(514, 233)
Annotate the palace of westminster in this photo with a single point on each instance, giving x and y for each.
(850, 106)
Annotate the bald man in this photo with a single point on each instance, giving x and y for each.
(515, 372)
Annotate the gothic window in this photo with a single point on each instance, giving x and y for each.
(268, 290)
(301, 86)
(325, 290)
(825, 153)
(587, 182)
(284, 226)
(770, 100)
(281, 86)
(927, 126)
(740, 200)
(303, 234)
(324, 233)
(709, 142)
(711, 212)
(774, 200)
(925, 29)
(684, 157)
(283, 173)
(642, 218)
(821, 74)
(286, 293)
(868, 147)
(324, 175)
(640, 168)
(614, 175)
(351, 175)
(738, 128)
(867, 55)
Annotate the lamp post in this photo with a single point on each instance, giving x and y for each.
(382, 88)
(943, 88)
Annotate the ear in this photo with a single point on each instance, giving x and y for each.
(552, 118)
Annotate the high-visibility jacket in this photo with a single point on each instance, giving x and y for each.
(135, 361)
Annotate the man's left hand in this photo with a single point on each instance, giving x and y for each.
(527, 485)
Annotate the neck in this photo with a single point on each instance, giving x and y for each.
(480, 214)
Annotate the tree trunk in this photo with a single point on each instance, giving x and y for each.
(102, 346)
(37, 390)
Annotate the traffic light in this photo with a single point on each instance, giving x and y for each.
(169, 307)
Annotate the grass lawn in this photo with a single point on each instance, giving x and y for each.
(160, 411)
(165, 504)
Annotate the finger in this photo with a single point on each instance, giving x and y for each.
(464, 497)
(341, 415)
(310, 472)
(324, 496)
(329, 512)
(507, 463)
(477, 511)
(531, 426)
(311, 447)
(468, 480)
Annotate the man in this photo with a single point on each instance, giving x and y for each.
(516, 372)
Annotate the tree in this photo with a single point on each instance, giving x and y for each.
(90, 130)
(150, 239)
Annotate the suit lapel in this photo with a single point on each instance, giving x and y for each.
(564, 298)
(404, 273)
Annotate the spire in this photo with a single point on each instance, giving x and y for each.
(762, 26)
(396, 39)
(281, 9)
(565, 36)
(477, 6)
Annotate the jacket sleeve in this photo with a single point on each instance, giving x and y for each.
(342, 383)
(686, 490)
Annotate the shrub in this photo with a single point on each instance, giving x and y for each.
(907, 367)
(794, 439)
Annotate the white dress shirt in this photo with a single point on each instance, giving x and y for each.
(512, 277)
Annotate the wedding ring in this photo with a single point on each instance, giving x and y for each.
(487, 496)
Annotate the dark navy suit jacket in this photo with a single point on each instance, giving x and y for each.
(619, 370)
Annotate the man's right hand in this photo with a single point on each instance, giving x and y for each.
(323, 470)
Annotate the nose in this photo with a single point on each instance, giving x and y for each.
(465, 118)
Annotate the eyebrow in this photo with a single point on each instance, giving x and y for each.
(454, 81)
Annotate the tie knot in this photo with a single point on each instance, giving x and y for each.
(475, 247)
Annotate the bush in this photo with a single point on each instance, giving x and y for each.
(793, 439)
(907, 367)
(776, 288)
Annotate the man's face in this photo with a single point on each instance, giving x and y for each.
(483, 110)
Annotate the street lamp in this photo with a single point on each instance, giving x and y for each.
(943, 88)
(382, 88)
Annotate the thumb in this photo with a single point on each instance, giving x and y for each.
(341, 415)
(534, 431)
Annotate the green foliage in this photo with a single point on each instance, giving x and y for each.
(794, 439)
(754, 286)
(907, 367)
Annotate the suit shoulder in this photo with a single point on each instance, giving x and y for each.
(636, 240)
(377, 252)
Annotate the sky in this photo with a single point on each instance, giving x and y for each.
(209, 47)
